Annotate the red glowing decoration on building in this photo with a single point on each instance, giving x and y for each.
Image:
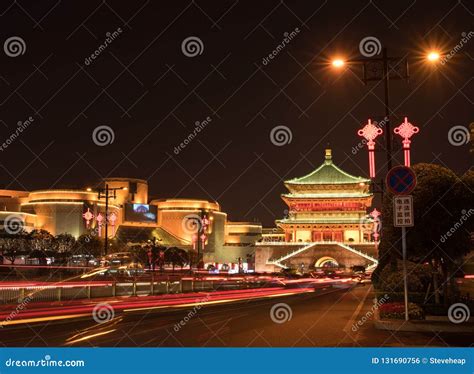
(406, 130)
(88, 216)
(112, 220)
(99, 219)
(204, 227)
(370, 132)
(375, 214)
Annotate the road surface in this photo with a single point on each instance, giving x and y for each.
(321, 318)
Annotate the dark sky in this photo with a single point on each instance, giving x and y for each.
(151, 94)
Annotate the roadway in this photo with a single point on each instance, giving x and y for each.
(323, 317)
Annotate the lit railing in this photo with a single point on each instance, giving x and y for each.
(278, 261)
(282, 243)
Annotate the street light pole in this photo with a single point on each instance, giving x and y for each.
(106, 240)
(388, 132)
(378, 69)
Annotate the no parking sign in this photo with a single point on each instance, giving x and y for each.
(401, 180)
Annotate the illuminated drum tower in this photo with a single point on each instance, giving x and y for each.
(327, 205)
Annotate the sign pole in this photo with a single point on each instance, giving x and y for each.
(401, 181)
(405, 280)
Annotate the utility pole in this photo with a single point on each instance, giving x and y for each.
(107, 193)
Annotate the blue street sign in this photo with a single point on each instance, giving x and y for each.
(401, 180)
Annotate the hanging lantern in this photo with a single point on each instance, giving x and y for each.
(100, 220)
(370, 132)
(203, 240)
(375, 214)
(88, 216)
(406, 130)
(112, 220)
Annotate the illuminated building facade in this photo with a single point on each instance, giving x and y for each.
(133, 219)
(327, 205)
(327, 224)
(327, 221)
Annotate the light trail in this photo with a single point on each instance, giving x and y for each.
(81, 309)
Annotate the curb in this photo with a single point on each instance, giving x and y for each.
(423, 326)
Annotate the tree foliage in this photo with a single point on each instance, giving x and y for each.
(88, 245)
(441, 234)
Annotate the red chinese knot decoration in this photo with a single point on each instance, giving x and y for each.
(370, 131)
(406, 130)
(99, 219)
(88, 216)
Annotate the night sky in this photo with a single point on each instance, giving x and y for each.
(151, 94)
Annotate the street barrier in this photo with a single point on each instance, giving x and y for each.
(43, 291)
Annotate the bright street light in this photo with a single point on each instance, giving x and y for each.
(433, 56)
(338, 63)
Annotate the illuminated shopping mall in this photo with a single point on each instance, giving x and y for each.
(327, 223)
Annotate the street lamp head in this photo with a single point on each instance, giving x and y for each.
(433, 56)
(88, 189)
(338, 63)
(125, 188)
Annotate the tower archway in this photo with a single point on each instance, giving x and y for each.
(326, 261)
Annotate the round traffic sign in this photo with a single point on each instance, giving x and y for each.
(401, 180)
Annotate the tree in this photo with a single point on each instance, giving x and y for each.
(176, 256)
(437, 238)
(88, 245)
(13, 245)
(40, 255)
(40, 240)
(64, 242)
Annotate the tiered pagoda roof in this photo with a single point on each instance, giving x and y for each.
(328, 181)
(327, 173)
